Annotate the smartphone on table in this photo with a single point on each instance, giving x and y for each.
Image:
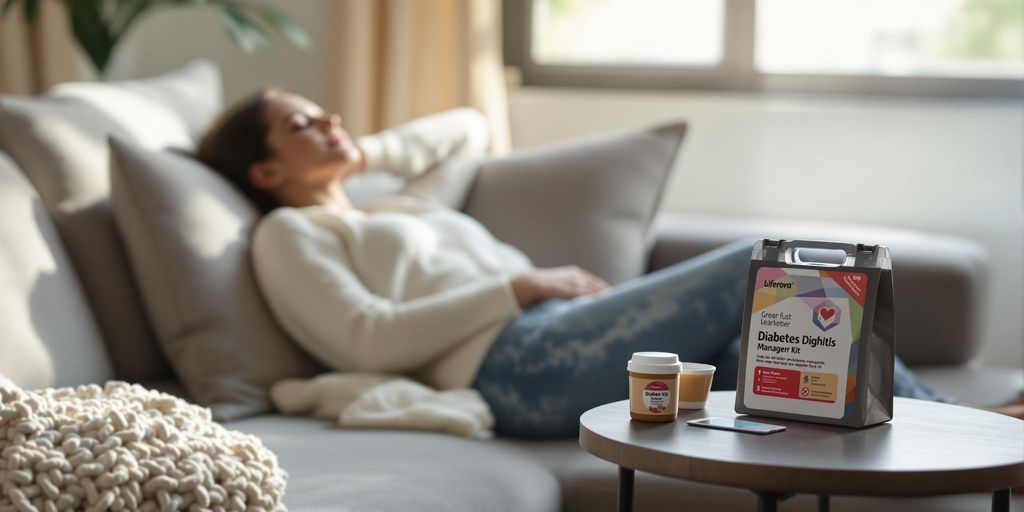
(736, 425)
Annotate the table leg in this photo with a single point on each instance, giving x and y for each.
(1001, 500)
(823, 503)
(626, 489)
(768, 501)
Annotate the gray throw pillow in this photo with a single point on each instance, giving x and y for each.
(187, 231)
(59, 141)
(587, 202)
(47, 334)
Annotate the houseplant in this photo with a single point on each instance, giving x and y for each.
(98, 25)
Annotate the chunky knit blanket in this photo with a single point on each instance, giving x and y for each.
(123, 447)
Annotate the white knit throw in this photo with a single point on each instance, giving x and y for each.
(124, 447)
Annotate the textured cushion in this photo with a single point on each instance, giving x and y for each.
(47, 334)
(123, 447)
(588, 202)
(59, 141)
(383, 471)
(187, 233)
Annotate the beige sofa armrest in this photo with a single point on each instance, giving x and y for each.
(940, 281)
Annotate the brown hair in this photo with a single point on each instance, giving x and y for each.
(238, 139)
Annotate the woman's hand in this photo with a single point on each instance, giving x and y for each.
(555, 283)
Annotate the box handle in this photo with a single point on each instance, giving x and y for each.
(790, 252)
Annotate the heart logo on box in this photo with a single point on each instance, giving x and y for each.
(826, 315)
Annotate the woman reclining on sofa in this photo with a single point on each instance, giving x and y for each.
(408, 285)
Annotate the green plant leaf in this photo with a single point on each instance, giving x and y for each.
(247, 35)
(91, 32)
(31, 8)
(284, 26)
(125, 13)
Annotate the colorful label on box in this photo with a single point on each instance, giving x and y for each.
(804, 328)
(777, 382)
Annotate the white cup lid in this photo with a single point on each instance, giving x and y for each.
(654, 362)
(697, 368)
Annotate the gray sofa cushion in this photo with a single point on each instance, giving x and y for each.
(975, 384)
(47, 334)
(588, 201)
(59, 141)
(187, 231)
(378, 470)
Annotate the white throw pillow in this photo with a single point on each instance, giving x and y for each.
(59, 140)
(47, 333)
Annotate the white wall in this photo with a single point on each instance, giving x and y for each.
(170, 37)
(943, 166)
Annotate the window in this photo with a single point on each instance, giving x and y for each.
(951, 38)
(664, 33)
(946, 47)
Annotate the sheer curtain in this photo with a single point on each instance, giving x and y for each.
(33, 58)
(393, 60)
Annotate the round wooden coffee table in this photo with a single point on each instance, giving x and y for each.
(927, 449)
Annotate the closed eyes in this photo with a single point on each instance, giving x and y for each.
(296, 121)
(299, 125)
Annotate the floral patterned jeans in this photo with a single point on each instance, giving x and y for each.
(560, 357)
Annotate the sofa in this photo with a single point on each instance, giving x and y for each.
(52, 334)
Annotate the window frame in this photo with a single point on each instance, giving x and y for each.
(737, 71)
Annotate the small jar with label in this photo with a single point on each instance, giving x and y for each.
(654, 386)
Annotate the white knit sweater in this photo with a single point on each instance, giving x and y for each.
(407, 285)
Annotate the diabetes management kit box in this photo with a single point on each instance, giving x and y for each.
(817, 339)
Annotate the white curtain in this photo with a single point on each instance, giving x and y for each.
(393, 60)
